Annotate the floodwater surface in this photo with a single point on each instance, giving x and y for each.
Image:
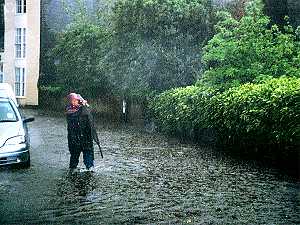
(143, 179)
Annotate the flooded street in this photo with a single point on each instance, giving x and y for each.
(143, 179)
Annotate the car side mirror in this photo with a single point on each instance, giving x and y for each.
(29, 119)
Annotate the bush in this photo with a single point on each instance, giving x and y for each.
(252, 114)
(180, 110)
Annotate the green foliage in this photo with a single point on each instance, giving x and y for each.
(52, 91)
(51, 97)
(79, 53)
(252, 114)
(163, 20)
(146, 47)
(249, 50)
(180, 110)
(157, 44)
(250, 92)
(266, 113)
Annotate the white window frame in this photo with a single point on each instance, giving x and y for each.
(20, 78)
(20, 43)
(20, 6)
(1, 73)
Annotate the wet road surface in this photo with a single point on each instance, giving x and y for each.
(143, 179)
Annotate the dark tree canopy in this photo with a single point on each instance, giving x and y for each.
(278, 9)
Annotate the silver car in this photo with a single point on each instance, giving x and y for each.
(14, 138)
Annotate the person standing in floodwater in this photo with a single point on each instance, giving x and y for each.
(81, 132)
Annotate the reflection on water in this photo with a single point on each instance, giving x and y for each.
(76, 186)
(143, 179)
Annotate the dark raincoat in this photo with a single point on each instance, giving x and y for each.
(81, 133)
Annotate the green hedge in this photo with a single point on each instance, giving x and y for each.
(252, 114)
(180, 110)
(266, 113)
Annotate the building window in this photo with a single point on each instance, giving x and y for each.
(20, 42)
(1, 73)
(20, 6)
(20, 81)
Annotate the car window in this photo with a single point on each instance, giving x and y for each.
(7, 113)
(3, 93)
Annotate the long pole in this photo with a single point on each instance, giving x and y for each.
(100, 149)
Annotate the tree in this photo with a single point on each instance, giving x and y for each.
(157, 44)
(249, 50)
(80, 53)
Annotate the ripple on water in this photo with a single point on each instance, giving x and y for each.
(143, 179)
